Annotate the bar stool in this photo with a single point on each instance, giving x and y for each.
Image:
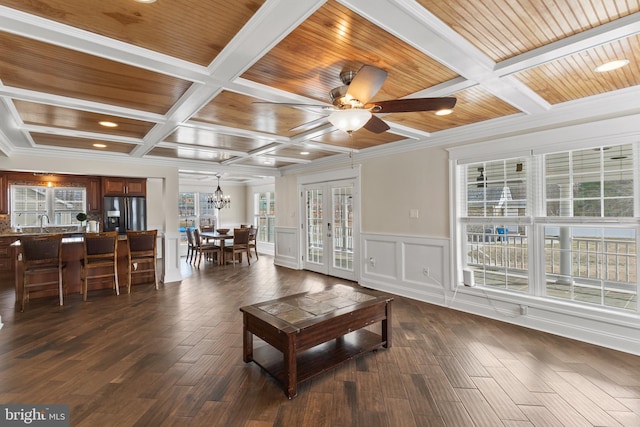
(142, 257)
(100, 259)
(42, 257)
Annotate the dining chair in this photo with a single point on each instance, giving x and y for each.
(100, 259)
(240, 245)
(191, 246)
(253, 234)
(204, 248)
(143, 255)
(208, 229)
(42, 258)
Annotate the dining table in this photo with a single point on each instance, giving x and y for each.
(218, 237)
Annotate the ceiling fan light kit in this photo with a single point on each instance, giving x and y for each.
(350, 119)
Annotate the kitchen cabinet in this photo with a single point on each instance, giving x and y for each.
(116, 186)
(94, 195)
(6, 261)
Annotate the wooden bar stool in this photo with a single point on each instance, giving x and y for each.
(143, 255)
(42, 258)
(100, 259)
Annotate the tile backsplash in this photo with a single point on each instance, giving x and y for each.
(5, 223)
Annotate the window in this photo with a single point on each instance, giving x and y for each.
(572, 215)
(265, 216)
(186, 210)
(195, 211)
(496, 201)
(206, 212)
(60, 205)
(590, 183)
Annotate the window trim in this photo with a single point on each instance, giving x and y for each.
(270, 218)
(458, 160)
(50, 205)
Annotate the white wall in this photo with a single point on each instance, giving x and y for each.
(394, 186)
(287, 198)
(155, 210)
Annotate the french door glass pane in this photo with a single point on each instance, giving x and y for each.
(342, 228)
(315, 222)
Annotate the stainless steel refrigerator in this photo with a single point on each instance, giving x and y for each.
(124, 213)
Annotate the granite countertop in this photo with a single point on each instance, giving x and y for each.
(70, 238)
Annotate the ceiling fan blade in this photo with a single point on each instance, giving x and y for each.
(310, 125)
(411, 104)
(376, 125)
(366, 83)
(317, 108)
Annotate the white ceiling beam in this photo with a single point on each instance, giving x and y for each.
(606, 33)
(79, 104)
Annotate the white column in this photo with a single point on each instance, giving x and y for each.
(171, 253)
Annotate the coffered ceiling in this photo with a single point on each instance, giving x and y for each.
(186, 81)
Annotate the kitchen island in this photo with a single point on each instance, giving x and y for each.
(72, 255)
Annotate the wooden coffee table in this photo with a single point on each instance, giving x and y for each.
(312, 332)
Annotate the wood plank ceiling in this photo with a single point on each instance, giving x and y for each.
(181, 79)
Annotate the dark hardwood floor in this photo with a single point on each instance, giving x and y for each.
(173, 357)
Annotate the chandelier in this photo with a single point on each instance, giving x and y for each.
(218, 200)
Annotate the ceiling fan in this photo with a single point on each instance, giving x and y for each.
(352, 110)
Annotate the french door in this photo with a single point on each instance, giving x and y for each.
(329, 224)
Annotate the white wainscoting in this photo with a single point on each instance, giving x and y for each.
(287, 253)
(420, 268)
(415, 267)
(266, 248)
(171, 257)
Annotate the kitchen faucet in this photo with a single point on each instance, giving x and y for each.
(42, 221)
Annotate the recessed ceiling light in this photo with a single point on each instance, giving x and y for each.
(100, 145)
(304, 153)
(145, 1)
(108, 124)
(612, 65)
(444, 112)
